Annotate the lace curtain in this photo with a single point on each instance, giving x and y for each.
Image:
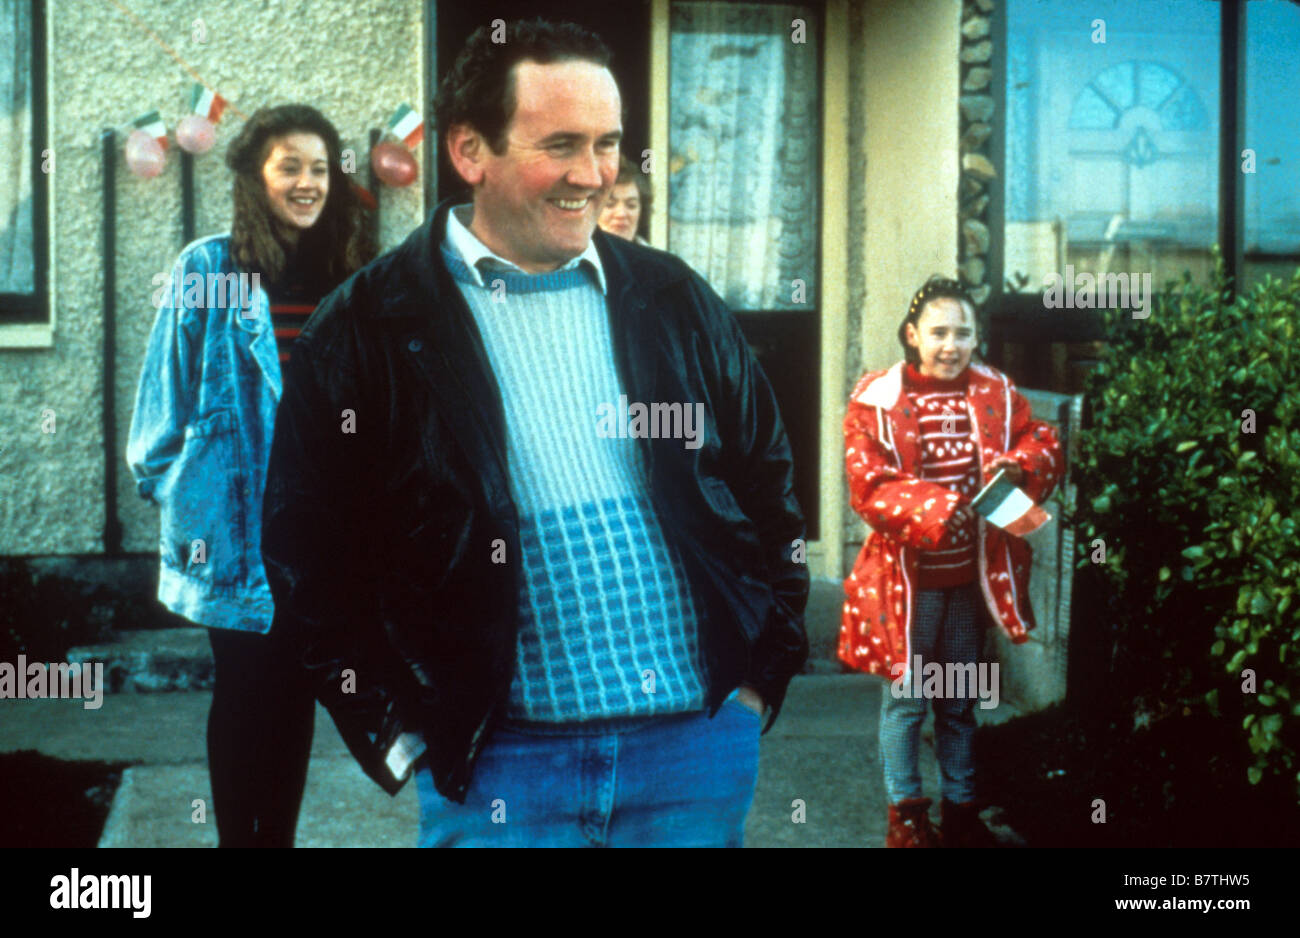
(743, 140)
(17, 266)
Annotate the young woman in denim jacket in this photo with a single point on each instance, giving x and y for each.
(201, 436)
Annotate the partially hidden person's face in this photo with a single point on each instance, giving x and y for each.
(944, 338)
(622, 211)
(537, 203)
(297, 176)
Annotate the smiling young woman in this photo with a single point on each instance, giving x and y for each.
(201, 437)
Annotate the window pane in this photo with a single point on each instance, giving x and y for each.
(1111, 147)
(1272, 196)
(743, 150)
(17, 265)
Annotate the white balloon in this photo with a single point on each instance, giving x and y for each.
(144, 156)
(195, 133)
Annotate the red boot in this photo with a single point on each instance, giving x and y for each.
(962, 826)
(909, 824)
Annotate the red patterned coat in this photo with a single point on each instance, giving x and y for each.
(882, 441)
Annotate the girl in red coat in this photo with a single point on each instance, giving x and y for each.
(921, 439)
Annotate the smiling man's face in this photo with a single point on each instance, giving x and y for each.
(537, 203)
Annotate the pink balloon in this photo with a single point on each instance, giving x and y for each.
(195, 134)
(394, 164)
(144, 156)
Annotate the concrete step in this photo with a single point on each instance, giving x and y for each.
(152, 660)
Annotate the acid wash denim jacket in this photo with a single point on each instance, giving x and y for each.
(201, 436)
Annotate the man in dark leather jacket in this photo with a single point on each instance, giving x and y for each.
(394, 540)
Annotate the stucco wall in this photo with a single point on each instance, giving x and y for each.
(355, 62)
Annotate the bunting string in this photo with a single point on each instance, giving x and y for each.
(174, 54)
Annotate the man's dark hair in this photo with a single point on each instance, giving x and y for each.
(479, 89)
(936, 288)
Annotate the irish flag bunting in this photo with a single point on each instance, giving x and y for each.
(1001, 503)
(207, 103)
(153, 125)
(407, 126)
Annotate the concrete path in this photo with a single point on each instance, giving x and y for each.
(821, 753)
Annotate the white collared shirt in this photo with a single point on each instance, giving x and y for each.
(472, 250)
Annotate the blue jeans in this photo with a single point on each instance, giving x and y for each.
(672, 781)
(945, 628)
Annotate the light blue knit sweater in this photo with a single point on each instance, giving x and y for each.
(607, 624)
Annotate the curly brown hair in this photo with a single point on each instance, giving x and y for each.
(339, 243)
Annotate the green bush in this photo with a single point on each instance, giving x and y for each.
(1199, 516)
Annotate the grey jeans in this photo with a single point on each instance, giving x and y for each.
(945, 628)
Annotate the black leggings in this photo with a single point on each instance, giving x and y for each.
(259, 738)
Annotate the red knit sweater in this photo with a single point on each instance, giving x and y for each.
(948, 458)
(293, 299)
